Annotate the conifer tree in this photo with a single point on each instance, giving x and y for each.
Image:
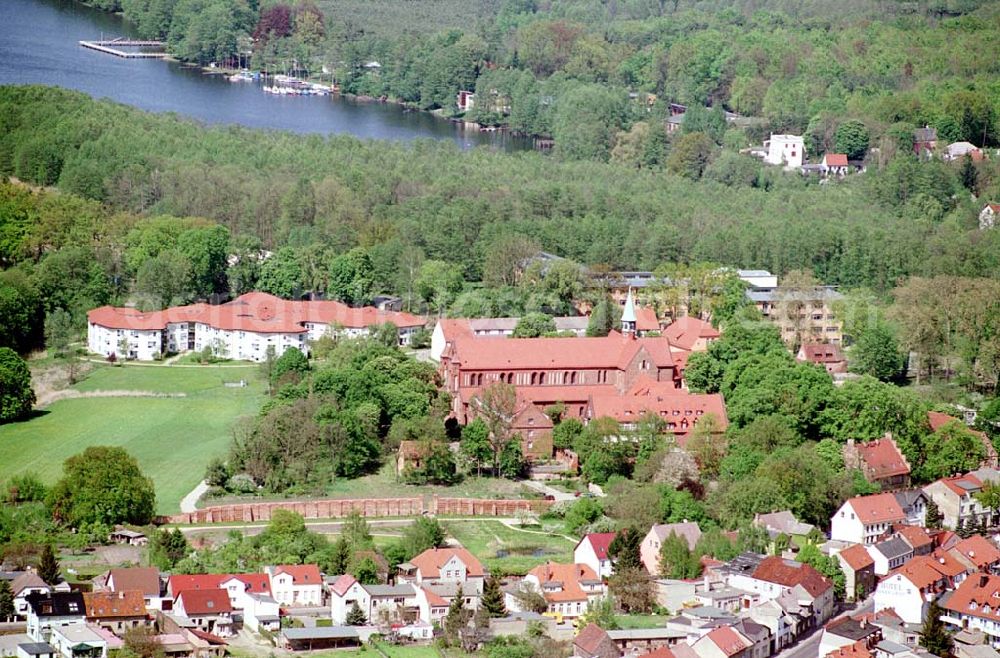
(932, 519)
(355, 616)
(456, 618)
(48, 566)
(933, 635)
(493, 601)
(6, 601)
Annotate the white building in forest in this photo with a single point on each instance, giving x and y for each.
(242, 329)
(787, 150)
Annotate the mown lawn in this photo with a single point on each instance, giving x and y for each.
(173, 438)
(641, 621)
(510, 550)
(409, 651)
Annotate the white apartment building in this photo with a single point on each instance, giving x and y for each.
(243, 329)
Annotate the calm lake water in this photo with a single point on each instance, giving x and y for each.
(39, 45)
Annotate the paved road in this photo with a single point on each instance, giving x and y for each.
(809, 647)
(545, 489)
(190, 502)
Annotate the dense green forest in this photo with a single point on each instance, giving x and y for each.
(542, 66)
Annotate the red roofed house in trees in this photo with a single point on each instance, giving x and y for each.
(834, 164)
(208, 609)
(592, 550)
(823, 354)
(241, 329)
(691, 333)
(567, 588)
(880, 461)
(863, 519)
(442, 565)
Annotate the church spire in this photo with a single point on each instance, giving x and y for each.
(628, 315)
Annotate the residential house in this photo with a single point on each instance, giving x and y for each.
(959, 150)
(183, 582)
(775, 576)
(827, 355)
(801, 315)
(975, 605)
(691, 333)
(377, 602)
(894, 629)
(129, 537)
(725, 642)
(956, 500)
(649, 550)
(889, 554)
(465, 100)
(296, 584)
(116, 611)
(23, 585)
(783, 617)
(411, 455)
(863, 519)
(782, 523)
(845, 631)
(142, 579)
(592, 550)
(909, 589)
(208, 610)
(239, 586)
(988, 216)
(34, 650)
(79, 641)
(787, 150)
(593, 642)
(977, 553)
(834, 164)
(442, 565)
(247, 328)
(567, 588)
(858, 649)
(918, 538)
(924, 141)
(55, 610)
(635, 641)
(880, 461)
(859, 572)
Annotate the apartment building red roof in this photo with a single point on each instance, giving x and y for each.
(913, 535)
(883, 458)
(255, 311)
(877, 508)
(686, 331)
(977, 596)
(302, 574)
(611, 352)
(111, 605)
(857, 557)
(144, 579)
(204, 602)
(789, 573)
(978, 550)
(728, 640)
(569, 576)
(206, 581)
(600, 542)
(430, 561)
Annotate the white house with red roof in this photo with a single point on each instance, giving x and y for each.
(296, 584)
(863, 519)
(207, 609)
(881, 461)
(723, 642)
(859, 572)
(909, 589)
(834, 164)
(956, 497)
(442, 565)
(988, 216)
(242, 329)
(592, 550)
(567, 588)
(377, 602)
(975, 605)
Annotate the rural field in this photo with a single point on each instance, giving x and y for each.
(172, 437)
(511, 550)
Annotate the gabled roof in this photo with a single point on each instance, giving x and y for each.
(182, 583)
(835, 159)
(728, 640)
(342, 584)
(878, 508)
(568, 576)
(645, 319)
(961, 485)
(57, 604)
(600, 541)
(892, 548)
(433, 598)
(110, 605)
(591, 638)
(686, 331)
(254, 583)
(858, 649)
(302, 574)
(977, 596)
(689, 530)
(430, 561)
(857, 557)
(783, 521)
(611, 352)
(922, 571)
(681, 410)
(915, 536)
(204, 601)
(144, 579)
(28, 580)
(883, 458)
(978, 550)
(789, 573)
(821, 352)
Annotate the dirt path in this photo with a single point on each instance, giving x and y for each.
(190, 502)
(49, 396)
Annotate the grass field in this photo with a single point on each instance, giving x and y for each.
(173, 438)
(641, 621)
(510, 550)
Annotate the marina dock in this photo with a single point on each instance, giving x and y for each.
(114, 46)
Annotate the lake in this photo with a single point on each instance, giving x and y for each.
(39, 45)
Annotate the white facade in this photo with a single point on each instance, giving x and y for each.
(261, 612)
(847, 526)
(902, 595)
(377, 601)
(584, 553)
(139, 344)
(787, 150)
(64, 638)
(287, 591)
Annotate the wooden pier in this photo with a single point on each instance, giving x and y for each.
(113, 47)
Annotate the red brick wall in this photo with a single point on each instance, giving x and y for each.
(369, 507)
